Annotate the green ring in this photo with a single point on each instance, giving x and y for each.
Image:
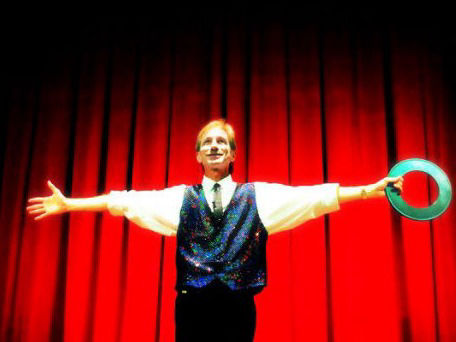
(420, 214)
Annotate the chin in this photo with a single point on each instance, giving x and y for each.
(216, 162)
(217, 165)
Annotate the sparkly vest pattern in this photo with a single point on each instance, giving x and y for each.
(232, 250)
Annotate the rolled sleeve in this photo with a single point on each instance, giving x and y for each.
(283, 207)
(157, 210)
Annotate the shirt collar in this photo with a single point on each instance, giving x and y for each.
(208, 183)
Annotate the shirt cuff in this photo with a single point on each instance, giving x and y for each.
(117, 202)
(330, 201)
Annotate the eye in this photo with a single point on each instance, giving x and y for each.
(221, 141)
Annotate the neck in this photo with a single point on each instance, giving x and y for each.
(216, 175)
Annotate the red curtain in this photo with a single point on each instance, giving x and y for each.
(119, 106)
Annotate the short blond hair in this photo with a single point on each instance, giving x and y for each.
(219, 123)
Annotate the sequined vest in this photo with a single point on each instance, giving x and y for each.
(232, 250)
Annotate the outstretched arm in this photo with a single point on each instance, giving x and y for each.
(376, 190)
(57, 203)
(158, 211)
(282, 207)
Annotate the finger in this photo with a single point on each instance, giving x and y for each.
(35, 206)
(398, 187)
(41, 216)
(36, 199)
(37, 211)
(393, 179)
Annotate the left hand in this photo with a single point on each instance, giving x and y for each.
(378, 189)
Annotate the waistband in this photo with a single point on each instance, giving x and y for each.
(218, 287)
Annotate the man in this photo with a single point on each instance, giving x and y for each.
(221, 229)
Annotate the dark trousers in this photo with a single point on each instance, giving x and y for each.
(215, 313)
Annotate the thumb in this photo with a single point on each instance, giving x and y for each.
(52, 187)
(392, 179)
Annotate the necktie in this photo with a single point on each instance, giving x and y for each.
(218, 209)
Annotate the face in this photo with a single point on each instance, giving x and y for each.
(215, 151)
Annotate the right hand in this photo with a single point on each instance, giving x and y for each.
(51, 205)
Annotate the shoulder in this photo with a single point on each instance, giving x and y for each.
(176, 189)
(193, 190)
(245, 190)
(260, 186)
(270, 186)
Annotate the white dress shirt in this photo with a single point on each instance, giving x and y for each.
(280, 207)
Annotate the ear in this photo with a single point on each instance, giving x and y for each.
(233, 155)
(198, 157)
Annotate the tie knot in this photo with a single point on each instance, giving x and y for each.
(216, 187)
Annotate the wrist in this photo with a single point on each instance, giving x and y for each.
(67, 204)
(368, 191)
(364, 194)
